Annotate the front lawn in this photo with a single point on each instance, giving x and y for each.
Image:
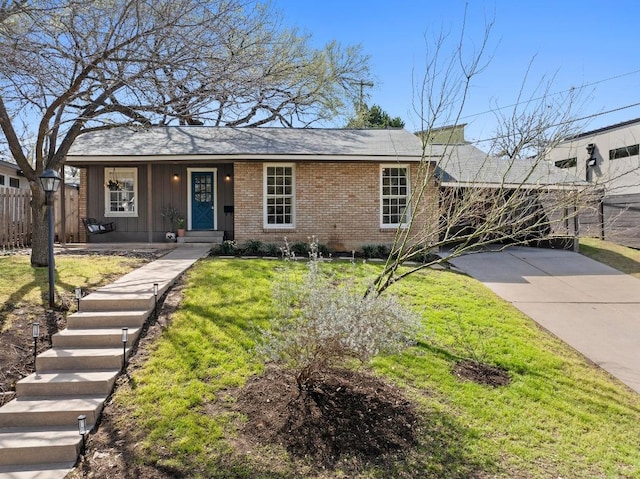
(558, 416)
(619, 257)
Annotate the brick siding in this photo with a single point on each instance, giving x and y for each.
(338, 202)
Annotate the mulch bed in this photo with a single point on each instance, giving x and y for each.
(481, 373)
(343, 418)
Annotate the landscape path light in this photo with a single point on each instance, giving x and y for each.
(155, 300)
(125, 338)
(35, 332)
(82, 430)
(78, 292)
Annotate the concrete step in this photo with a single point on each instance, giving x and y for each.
(47, 411)
(67, 383)
(93, 338)
(38, 446)
(204, 234)
(79, 359)
(104, 319)
(113, 300)
(36, 471)
(196, 236)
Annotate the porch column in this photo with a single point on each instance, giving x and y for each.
(149, 203)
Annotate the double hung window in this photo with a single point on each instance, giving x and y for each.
(121, 186)
(279, 196)
(394, 195)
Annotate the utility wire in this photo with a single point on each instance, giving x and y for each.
(573, 120)
(552, 94)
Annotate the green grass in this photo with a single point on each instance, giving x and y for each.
(619, 257)
(22, 285)
(559, 416)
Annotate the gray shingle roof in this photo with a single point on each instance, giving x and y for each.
(460, 164)
(469, 165)
(193, 140)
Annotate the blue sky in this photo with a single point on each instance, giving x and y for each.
(575, 42)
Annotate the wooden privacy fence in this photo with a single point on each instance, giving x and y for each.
(15, 218)
(16, 221)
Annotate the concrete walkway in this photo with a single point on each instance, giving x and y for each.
(590, 306)
(39, 436)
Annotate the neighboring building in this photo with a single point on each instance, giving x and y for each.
(11, 176)
(609, 159)
(544, 208)
(347, 187)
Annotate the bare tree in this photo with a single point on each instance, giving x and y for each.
(510, 195)
(69, 67)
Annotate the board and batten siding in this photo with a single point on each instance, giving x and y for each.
(149, 224)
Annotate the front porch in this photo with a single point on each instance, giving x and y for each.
(135, 198)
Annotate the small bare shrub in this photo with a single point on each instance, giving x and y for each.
(323, 321)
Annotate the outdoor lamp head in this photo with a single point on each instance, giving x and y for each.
(591, 148)
(78, 293)
(82, 424)
(125, 334)
(50, 180)
(35, 330)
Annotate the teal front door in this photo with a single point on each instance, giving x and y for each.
(202, 200)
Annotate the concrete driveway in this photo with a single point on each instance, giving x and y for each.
(590, 306)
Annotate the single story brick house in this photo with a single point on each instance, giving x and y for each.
(347, 187)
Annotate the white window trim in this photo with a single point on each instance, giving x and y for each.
(408, 195)
(265, 223)
(107, 198)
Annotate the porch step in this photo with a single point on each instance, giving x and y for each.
(197, 236)
(67, 383)
(54, 447)
(102, 319)
(79, 359)
(37, 471)
(45, 411)
(93, 338)
(109, 300)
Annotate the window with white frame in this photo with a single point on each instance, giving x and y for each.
(279, 196)
(121, 192)
(394, 195)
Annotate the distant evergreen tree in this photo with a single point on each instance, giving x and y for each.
(374, 117)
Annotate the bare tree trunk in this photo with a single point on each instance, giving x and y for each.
(39, 242)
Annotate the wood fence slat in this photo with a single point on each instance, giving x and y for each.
(16, 220)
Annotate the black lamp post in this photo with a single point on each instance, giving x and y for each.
(50, 180)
